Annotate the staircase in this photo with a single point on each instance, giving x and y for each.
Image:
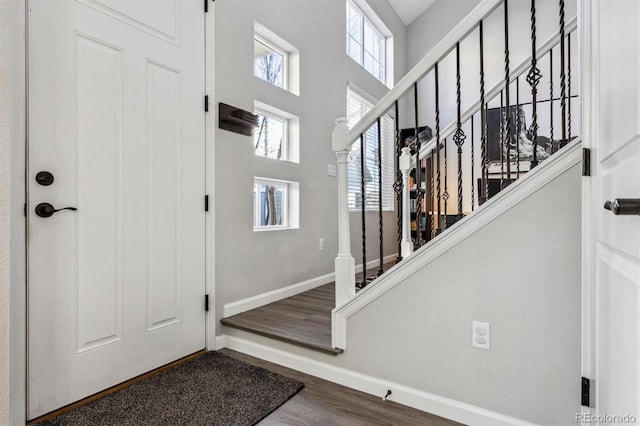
(495, 142)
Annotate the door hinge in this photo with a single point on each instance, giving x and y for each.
(206, 103)
(206, 302)
(586, 392)
(586, 162)
(25, 209)
(206, 203)
(206, 6)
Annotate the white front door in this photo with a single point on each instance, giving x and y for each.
(611, 35)
(116, 288)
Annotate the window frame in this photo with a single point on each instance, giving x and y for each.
(365, 19)
(257, 38)
(284, 201)
(285, 133)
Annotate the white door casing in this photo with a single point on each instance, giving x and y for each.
(611, 261)
(116, 114)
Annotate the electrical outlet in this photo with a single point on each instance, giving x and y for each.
(480, 335)
(321, 244)
(332, 170)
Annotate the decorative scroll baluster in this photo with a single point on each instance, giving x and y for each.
(550, 101)
(438, 174)
(363, 200)
(568, 87)
(563, 80)
(483, 122)
(533, 78)
(397, 185)
(459, 136)
(473, 173)
(419, 192)
(507, 81)
(380, 224)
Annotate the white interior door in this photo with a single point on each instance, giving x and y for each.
(116, 114)
(611, 34)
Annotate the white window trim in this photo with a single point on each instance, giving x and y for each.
(291, 62)
(290, 205)
(285, 134)
(291, 133)
(285, 59)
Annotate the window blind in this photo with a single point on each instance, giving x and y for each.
(357, 106)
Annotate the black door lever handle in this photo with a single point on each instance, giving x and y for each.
(47, 210)
(624, 206)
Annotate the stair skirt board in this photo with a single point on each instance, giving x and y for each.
(263, 299)
(310, 362)
(546, 172)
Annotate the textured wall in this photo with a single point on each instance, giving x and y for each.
(249, 263)
(521, 273)
(5, 134)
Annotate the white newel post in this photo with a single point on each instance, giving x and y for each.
(406, 246)
(345, 264)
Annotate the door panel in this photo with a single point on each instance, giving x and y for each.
(115, 113)
(612, 254)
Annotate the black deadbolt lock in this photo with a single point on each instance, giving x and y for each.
(45, 178)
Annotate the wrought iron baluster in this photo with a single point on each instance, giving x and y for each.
(363, 200)
(459, 136)
(473, 174)
(568, 87)
(533, 78)
(445, 195)
(483, 121)
(438, 173)
(418, 173)
(380, 227)
(518, 127)
(397, 186)
(550, 147)
(433, 201)
(507, 81)
(502, 120)
(563, 79)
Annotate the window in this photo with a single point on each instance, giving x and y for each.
(271, 136)
(366, 43)
(277, 135)
(275, 60)
(275, 204)
(270, 63)
(357, 106)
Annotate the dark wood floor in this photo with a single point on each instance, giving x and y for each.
(328, 404)
(303, 319)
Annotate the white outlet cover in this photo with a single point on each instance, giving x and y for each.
(481, 335)
(332, 170)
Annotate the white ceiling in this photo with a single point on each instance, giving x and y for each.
(409, 10)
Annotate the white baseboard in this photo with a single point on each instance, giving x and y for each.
(424, 401)
(254, 302)
(259, 300)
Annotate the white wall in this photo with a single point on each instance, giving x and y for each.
(249, 263)
(5, 206)
(521, 274)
